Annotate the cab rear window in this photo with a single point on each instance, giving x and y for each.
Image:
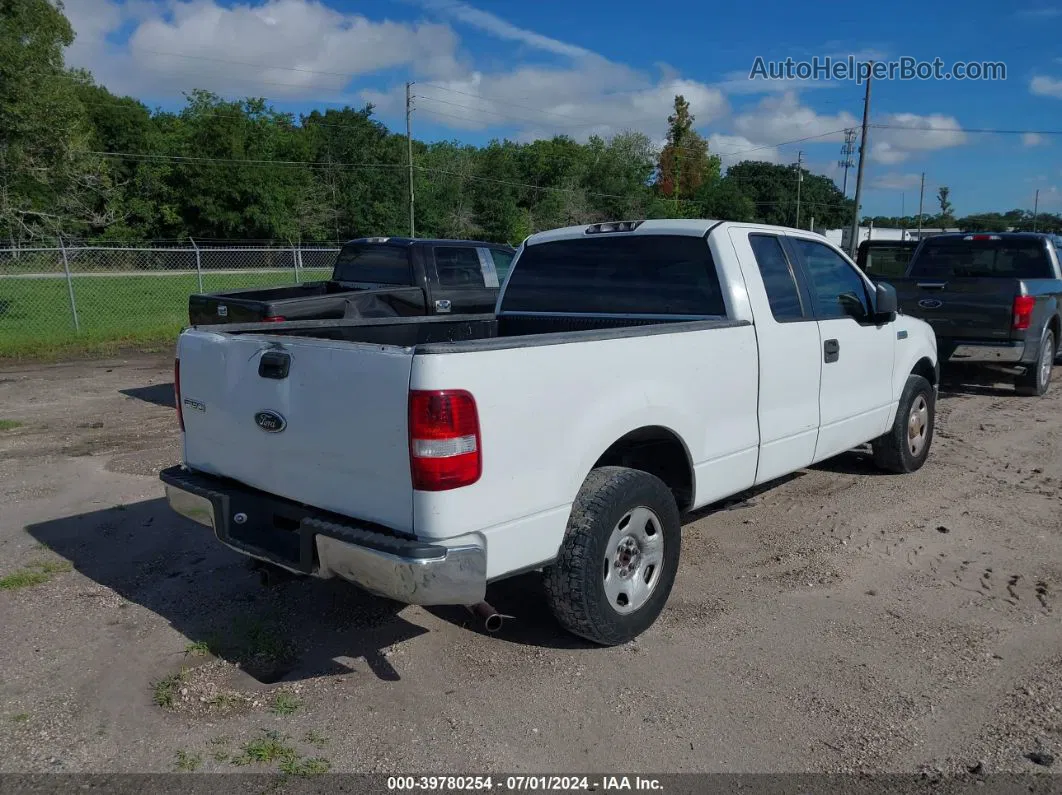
(1016, 258)
(628, 274)
(375, 263)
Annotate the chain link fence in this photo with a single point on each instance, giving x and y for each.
(71, 297)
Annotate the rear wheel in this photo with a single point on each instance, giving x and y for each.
(1035, 380)
(905, 448)
(619, 556)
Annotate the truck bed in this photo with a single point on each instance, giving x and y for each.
(317, 300)
(472, 332)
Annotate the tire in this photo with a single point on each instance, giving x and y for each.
(904, 449)
(1037, 377)
(620, 519)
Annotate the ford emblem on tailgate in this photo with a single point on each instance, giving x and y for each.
(270, 421)
(930, 303)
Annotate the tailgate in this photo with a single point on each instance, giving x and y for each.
(961, 308)
(331, 433)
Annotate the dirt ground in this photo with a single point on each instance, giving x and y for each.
(841, 620)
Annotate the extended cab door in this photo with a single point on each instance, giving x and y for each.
(855, 391)
(787, 336)
(466, 281)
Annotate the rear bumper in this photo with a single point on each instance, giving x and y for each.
(310, 542)
(987, 352)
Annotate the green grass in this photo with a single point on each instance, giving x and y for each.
(285, 703)
(198, 649)
(138, 311)
(34, 574)
(164, 691)
(186, 761)
(9, 425)
(21, 717)
(270, 747)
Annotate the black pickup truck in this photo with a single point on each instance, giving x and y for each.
(992, 299)
(373, 278)
(883, 258)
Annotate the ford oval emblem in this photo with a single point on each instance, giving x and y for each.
(270, 421)
(930, 303)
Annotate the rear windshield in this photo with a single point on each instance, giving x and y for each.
(636, 274)
(886, 260)
(376, 263)
(1015, 258)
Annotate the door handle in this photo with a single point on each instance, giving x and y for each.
(442, 306)
(831, 351)
(274, 364)
(931, 285)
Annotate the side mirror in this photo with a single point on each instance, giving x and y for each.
(885, 303)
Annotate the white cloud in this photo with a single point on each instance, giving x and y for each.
(735, 148)
(785, 118)
(1046, 87)
(907, 134)
(1032, 139)
(496, 26)
(896, 181)
(290, 49)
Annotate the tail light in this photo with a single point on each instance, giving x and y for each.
(273, 319)
(177, 392)
(1023, 309)
(444, 443)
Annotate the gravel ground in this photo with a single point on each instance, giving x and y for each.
(840, 621)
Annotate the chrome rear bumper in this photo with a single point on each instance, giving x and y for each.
(406, 570)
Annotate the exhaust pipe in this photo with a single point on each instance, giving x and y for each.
(492, 619)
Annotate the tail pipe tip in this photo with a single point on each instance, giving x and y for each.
(492, 619)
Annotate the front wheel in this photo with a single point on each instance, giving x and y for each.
(1035, 380)
(904, 449)
(619, 557)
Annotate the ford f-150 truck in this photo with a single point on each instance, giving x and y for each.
(632, 372)
(374, 277)
(992, 299)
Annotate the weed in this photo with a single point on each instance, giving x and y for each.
(165, 690)
(33, 574)
(221, 756)
(21, 717)
(9, 425)
(198, 649)
(285, 703)
(313, 737)
(220, 740)
(305, 767)
(269, 748)
(186, 761)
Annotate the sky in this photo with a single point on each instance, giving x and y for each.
(536, 68)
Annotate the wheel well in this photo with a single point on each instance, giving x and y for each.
(1054, 325)
(926, 369)
(659, 452)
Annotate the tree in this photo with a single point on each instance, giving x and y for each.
(946, 209)
(684, 163)
(42, 124)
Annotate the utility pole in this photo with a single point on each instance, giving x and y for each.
(409, 150)
(1036, 210)
(921, 198)
(862, 160)
(800, 179)
(846, 157)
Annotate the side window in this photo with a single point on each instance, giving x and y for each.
(458, 267)
(503, 260)
(838, 288)
(782, 291)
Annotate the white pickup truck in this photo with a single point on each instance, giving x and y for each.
(632, 372)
